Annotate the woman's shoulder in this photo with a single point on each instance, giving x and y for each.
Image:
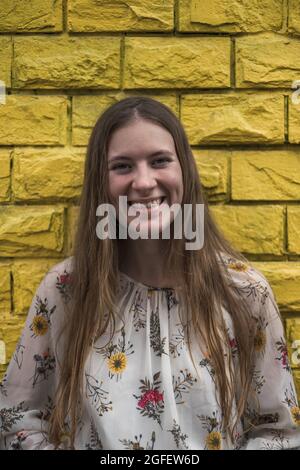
(241, 269)
(63, 266)
(250, 282)
(57, 280)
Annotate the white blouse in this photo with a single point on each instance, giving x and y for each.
(142, 391)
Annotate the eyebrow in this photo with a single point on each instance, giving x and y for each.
(154, 154)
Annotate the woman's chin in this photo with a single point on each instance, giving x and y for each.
(152, 229)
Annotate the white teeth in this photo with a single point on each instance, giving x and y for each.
(153, 203)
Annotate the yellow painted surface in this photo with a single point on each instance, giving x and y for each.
(232, 92)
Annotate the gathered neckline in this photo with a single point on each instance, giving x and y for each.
(145, 286)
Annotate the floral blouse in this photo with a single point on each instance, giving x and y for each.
(141, 390)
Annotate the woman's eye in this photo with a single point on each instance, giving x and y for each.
(126, 167)
(162, 160)
(121, 166)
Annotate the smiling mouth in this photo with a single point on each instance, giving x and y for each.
(149, 205)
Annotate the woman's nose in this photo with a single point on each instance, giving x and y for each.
(144, 179)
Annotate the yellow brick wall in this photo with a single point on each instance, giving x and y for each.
(225, 67)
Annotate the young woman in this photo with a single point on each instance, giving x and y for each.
(142, 343)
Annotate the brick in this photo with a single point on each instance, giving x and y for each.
(284, 278)
(176, 62)
(25, 285)
(85, 112)
(132, 15)
(294, 16)
(5, 60)
(49, 174)
(213, 171)
(31, 16)
(237, 118)
(252, 229)
(293, 334)
(87, 109)
(33, 120)
(31, 230)
(73, 213)
(5, 175)
(266, 175)
(5, 291)
(293, 217)
(294, 119)
(66, 62)
(10, 333)
(256, 66)
(230, 16)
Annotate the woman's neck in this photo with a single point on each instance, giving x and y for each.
(145, 261)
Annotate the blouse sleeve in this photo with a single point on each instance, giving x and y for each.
(27, 390)
(272, 415)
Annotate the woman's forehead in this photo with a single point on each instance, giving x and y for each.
(141, 136)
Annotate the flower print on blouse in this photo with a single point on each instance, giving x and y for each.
(141, 389)
(151, 400)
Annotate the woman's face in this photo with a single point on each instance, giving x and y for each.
(143, 165)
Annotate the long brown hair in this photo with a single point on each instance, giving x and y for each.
(206, 286)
